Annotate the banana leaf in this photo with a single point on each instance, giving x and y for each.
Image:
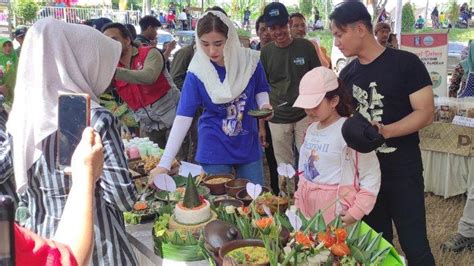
(392, 258)
(358, 254)
(374, 243)
(337, 222)
(165, 249)
(364, 240)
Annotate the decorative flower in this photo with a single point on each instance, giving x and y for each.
(340, 249)
(243, 211)
(341, 235)
(230, 209)
(326, 238)
(303, 239)
(264, 223)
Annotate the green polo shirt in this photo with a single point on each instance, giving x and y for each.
(284, 68)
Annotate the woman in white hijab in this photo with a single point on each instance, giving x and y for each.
(227, 80)
(65, 58)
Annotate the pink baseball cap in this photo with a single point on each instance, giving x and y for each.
(314, 85)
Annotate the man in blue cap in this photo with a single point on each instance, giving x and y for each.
(19, 35)
(285, 61)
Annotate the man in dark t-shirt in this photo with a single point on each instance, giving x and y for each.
(391, 88)
(285, 61)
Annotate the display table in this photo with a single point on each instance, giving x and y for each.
(142, 243)
(447, 151)
(447, 174)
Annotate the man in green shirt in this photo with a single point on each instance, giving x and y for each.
(285, 61)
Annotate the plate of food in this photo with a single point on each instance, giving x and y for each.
(274, 203)
(178, 194)
(261, 113)
(142, 211)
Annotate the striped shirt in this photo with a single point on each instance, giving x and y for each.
(7, 182)
(115, 193)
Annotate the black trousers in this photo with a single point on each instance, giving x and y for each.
(401, 200)
(271, 160)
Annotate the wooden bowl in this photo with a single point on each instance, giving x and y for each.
(235, 244)
(235, 185)
(245, 198)
(217, 233)
(219, 187)
(228, 202)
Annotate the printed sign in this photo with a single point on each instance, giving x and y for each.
(448, 138)
(432, 49)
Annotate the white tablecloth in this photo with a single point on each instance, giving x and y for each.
(447, 174)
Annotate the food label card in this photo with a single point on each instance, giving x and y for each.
(189, 168)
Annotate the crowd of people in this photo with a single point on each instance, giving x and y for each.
(440, 20)
(354, 138)
(174, 19)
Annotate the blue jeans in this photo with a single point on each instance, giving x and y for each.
(252, 171)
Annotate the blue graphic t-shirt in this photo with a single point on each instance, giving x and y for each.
(227, 134)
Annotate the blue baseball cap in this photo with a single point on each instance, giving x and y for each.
(275, 13)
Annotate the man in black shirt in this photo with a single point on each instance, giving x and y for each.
(391, 88)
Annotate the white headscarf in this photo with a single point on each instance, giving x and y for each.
(56, 57)
(240, 64)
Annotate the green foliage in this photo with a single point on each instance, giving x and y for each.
(244, 33)
(25, 11)
(134, 4)
(320, 4)
(292, 9)
(305, 8)
(115, 4)
(325, 37)
(408, 18)
(453, 11)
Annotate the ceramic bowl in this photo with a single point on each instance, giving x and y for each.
(228, 202)
(245, 198)
(217, 233)
(235, 185)
(217, 188)
(235, 244)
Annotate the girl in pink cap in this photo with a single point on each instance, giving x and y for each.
(333, 177)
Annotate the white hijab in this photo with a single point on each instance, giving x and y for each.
(240, 64)
(56, 57)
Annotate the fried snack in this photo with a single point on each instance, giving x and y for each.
(150, 162)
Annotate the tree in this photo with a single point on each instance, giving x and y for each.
(305, 8)
(453, 11)
(377, 7)
(25, 11)
(325, 8)
(408, 18)
(292, 9)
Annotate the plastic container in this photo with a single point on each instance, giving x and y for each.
(133, 152)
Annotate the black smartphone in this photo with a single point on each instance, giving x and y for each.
(7, 233)
(73, 118)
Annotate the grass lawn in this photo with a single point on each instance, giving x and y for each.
(459, 35)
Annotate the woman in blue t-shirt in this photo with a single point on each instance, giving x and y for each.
(227, 81)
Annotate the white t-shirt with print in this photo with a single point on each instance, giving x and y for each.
(321, 153)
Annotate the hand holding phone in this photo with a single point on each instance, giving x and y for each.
(88, 158)
(73, 118)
